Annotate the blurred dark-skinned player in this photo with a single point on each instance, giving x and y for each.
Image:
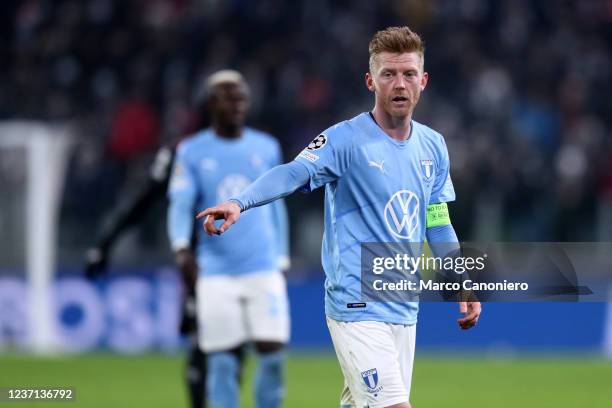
(133, 212)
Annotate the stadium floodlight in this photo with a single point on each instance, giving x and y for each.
(45, 150)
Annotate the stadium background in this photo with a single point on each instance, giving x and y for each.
(520, 90)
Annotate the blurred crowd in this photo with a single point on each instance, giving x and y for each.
(520, 90)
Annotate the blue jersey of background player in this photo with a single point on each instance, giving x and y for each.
(210, 168)
(382, 173)
(241, 293)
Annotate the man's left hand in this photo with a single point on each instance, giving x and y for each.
(472, 311)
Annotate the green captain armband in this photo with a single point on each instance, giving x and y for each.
(437, 215)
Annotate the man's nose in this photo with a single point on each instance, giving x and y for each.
(400, 82)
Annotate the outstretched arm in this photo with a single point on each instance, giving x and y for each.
(276, 183)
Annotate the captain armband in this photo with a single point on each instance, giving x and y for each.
(437, 215)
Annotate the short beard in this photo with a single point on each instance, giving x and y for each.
(394, 113)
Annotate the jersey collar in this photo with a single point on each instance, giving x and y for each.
(376, 128)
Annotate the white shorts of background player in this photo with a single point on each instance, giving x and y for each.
(233, 310)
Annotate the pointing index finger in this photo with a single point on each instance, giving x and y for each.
(204, 213)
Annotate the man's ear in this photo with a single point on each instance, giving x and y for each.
(369, 80)
(424, 80)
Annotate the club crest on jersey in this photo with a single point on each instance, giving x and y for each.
(427, 166)
(370, 378)
(317, 143)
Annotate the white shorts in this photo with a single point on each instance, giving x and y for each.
(233, 310)
(376, 359)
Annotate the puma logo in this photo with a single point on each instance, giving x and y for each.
(380, 165)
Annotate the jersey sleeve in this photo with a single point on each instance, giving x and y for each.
(182, 193)
(443, 190)
(327, 157)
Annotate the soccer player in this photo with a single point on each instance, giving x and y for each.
(382, 172)
(241, 290)
(132, 212)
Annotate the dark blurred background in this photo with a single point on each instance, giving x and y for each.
(90, 89)
(520, 90)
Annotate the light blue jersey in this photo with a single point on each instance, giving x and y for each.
(377, 189)
(210, 169)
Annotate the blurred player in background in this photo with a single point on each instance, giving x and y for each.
(241, 291)
(384, 174)
(131, 213)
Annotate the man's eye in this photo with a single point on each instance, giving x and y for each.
(387, 74)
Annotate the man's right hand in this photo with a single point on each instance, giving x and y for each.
(228, 211)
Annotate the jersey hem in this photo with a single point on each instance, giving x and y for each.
(350, 317)
(208, 273)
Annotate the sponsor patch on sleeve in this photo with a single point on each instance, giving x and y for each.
(308, 156)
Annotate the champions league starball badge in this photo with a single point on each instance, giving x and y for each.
(317, 143)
